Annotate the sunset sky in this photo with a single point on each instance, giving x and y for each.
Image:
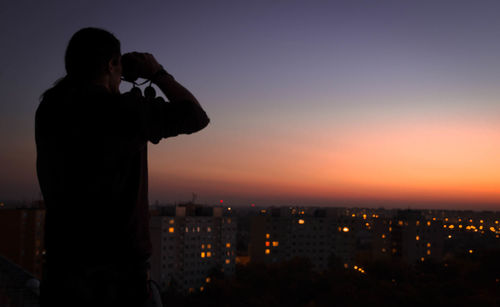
(356, 103)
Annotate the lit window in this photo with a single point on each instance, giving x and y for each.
(422, 259)
(301, 221)
(268, 251)
(481, 221)
(449, 236)
(207, 280)
(428, 244)
(367, 224)
(171, 229)
(353, 215)
(275, 243)
(209, 229)
(267, 243)
(171, 222)
(209, 254)
(446, 219)
(202, 254)
(428, 223)
(417, 238)
(203, 246)
(355, 267)
(433, 218)
(228, 261)
(394, 250)
(451, 226)
(345, 229)
(383, 236)
(390, 228)
(364, 216)
(228, 245)
(400, 223)
(187, 229)
(383, 250)
(198, 229)
(202, 288)
(460, 226)
(471, 251)
(492, 229)
(268, 236)
(209, 246)
(444, 226)
(428, 252)
(418, 223)
(228, 208)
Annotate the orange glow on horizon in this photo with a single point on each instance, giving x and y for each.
(447, 162)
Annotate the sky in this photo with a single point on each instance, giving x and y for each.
(355, 103)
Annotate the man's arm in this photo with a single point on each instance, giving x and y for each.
(183, 115)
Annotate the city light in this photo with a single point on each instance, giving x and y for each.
(228, 245)
(202, 254)
(275, 243)
(268, 251)
(345, 229)
(171, 229)
(301, 221)
(268, 236)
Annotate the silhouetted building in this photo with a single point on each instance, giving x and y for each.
(21, 237)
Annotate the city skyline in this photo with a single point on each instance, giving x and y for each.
(387, 104)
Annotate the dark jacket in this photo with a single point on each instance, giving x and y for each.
(92, 170)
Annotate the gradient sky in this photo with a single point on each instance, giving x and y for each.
(386, 103)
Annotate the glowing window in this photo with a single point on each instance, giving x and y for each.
(428, 244)
(449, 236)
(301, 221)
(228, 245)
(171, 222)
(383, 236)
(202, 288)
(428, 223)
(417, 238)
(364, 216)
(171, 229)
(353, 215)
(275, 243)
(428, 252)
(355, 267)
(198, 229)
(367, 224)
(203, 246)
(394, 250)
(209, 254)
(346, 265)
(268, 251)
(390, 228)
(418, 223)
(460, 226)
(481, 221)
(228, 261)
(209, 229)
(268, 243)
(268, 236)
(209, 246)
(451, 226)
(444, 226)
(345, 229)
(207, 280)
(422, 259)
(383, 250)
(400, 223)
(202, 254)
(446, 219)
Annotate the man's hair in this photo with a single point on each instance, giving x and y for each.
(89, 52)
(87, 56)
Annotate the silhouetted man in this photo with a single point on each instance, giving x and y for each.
(92, 169)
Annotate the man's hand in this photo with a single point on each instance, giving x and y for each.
(139, 65)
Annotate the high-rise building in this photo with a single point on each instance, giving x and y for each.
(190, 243)
(21, 237)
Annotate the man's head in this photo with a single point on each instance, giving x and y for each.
(93, 56)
